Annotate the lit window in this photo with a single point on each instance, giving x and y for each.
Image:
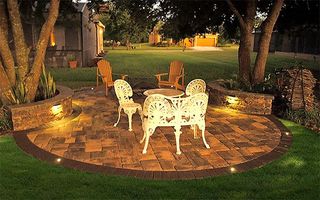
(52, 39)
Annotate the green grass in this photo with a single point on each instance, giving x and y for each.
(146, 62)
(296, 175)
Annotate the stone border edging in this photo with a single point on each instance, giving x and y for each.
(285, 142)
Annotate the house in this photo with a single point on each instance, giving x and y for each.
(78, 34)
(202, 40)
(297, 40)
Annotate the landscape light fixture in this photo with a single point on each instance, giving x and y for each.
(56, 109)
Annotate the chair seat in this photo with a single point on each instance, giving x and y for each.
(166, 83)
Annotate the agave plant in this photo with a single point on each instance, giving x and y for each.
(47, 86)
(19, 94)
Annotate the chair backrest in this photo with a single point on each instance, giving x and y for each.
(105, 70)
(123, 91)
(196, 86)
(157, 108)
(176, 69)
(162, 110)
(198, 104)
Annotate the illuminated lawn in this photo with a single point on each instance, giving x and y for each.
(295, 175)
(143, 64)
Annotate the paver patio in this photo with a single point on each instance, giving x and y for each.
(235, 139)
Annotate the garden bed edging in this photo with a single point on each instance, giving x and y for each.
(246, 102)
(36, 114)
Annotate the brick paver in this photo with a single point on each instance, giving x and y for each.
(234, 138)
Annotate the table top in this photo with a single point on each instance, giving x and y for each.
(164, 91)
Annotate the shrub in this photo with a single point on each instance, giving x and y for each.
(310, 119)
(5, 122)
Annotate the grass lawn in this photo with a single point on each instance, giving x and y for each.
(145, 62)
(296, 175)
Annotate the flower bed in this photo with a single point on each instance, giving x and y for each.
(32, 115)
(251, 103)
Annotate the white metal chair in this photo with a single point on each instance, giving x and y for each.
(160, 110)
(196, 86)
(124, 93)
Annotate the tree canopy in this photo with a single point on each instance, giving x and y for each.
(129, 20)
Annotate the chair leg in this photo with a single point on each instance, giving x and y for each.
(130, 121)
(148, 132)
(144, 137)
(194, 127)
(203, 137)
(119, 114)
(177, 133)
(130, 112)
(140, 113)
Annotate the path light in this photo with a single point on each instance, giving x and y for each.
(232, 169)
(287, 133)
(232, 100)
(58, 160)
(56, 109)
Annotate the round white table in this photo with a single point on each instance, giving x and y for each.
(164, 91)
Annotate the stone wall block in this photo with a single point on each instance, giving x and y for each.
(252, 103)
(33, 115)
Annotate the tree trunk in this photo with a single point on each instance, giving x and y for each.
(246, 23)
(264, 43)
(244, 56)
(3, 18)
(6, 94)
(5, 53)
(7, 58)
(32, 79)
(21, 50)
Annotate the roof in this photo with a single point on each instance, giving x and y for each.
(79, 6)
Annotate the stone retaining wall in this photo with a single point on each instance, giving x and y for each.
(251, 103)
(32, 115)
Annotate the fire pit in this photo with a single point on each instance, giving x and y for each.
(140, 87)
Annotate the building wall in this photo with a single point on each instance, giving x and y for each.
(100, 30)
(307, 41)
(89, 39)
(67, 44)
(208, 40)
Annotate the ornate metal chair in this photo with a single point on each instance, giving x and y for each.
(104, 70)
(124, 93)
(159, 110)
(196, 86)
(176, 72)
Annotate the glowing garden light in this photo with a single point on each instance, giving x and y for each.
(56, 109)
(232, 169)
(232, 100)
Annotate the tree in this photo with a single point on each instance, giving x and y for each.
(246, 22)
(191, 17)
(27, 74)
(126, 20)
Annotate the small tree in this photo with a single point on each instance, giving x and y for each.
(15, 69)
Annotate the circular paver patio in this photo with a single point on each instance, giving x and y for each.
(90, 142)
